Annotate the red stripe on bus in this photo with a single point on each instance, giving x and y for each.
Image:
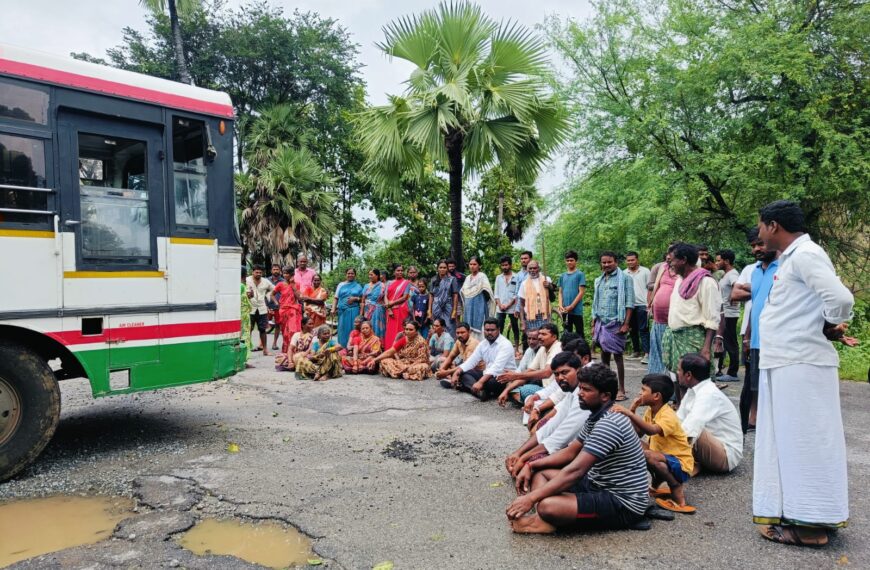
(113, 88)
(149, 332)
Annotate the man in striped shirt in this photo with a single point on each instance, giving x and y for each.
(598, 481)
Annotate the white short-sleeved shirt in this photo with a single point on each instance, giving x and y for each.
(745, 278)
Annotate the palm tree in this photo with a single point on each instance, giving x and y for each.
(476, 98)
(183, 7)
(285, 199)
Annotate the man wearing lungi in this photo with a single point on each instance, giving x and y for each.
(799, 486)
(612, 304)
(693, 315)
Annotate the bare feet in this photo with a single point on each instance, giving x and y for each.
(532, 524)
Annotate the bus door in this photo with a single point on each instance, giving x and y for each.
(112, 211)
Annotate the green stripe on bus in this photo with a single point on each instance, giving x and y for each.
(154, 366)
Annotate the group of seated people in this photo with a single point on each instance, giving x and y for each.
(584, 464)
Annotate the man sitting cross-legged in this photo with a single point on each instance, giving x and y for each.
(539, 407)
(563, 428)
(462, 349)
(668, 455)
(496, 354)
(598, 481)
(520, 385)
(708, 417)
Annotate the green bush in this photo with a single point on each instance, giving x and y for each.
(855, 361)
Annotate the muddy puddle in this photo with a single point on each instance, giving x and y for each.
(33, 527)
(267, 544)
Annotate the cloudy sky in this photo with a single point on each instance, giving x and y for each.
(95, 25)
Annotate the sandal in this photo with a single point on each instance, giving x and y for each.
(672, 505)
(623, 398)
(660, 492)
(791, 535)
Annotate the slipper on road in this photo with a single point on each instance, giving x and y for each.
(791, 535)
(672, 505)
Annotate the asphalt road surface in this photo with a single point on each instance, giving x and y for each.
(377, 470)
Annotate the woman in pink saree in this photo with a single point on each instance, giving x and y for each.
(396, 302)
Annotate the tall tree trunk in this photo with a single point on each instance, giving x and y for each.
(454, 155)
(180, 61)
(500, 210)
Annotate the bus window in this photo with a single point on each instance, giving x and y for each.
(114, 199)
(22, 166)
(189, 173)
(20, 103)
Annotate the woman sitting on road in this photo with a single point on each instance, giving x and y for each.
(361, 354)
(322, 360)
(409, 356)
(298, 346)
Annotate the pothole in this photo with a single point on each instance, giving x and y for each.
(266, 543)
(33, 527)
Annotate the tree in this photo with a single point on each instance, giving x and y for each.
(477, 98)
(690, 115)
(284, 200)
(262, 57)
(175, 6)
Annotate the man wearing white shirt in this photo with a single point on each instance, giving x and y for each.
(640, 277)
(563, 427)
(710, 420)
(497, 355)
(799, 486)
(259, 292)
(521, 385)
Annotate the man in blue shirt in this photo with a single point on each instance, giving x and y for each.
(572, 287)
(757, 290)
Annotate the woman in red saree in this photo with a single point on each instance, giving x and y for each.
(360, 357)
(289, 309)
(396, 302)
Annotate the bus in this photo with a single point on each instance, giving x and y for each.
(119, 242)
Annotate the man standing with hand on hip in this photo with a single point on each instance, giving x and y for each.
(799, 485)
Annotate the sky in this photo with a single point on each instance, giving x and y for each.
(95, 25)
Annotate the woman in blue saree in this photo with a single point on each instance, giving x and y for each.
(445, 298)
(347, 303)
(373, 303)
(477, 298)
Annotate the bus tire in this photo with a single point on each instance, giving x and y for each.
(29, 407)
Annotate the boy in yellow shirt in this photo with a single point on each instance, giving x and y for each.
(668, 454)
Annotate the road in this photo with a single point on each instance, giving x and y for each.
(377, 470)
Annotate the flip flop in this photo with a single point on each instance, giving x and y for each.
(671, 505)
(624, 398)
(789, 535)
(660, 491)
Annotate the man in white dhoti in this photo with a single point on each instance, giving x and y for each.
(799, 487)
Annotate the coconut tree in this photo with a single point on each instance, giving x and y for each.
(476, 98)
(176, 7)
(285, 199)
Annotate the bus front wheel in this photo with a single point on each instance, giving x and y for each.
(29, 407)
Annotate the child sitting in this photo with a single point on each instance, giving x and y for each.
(668, 454)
